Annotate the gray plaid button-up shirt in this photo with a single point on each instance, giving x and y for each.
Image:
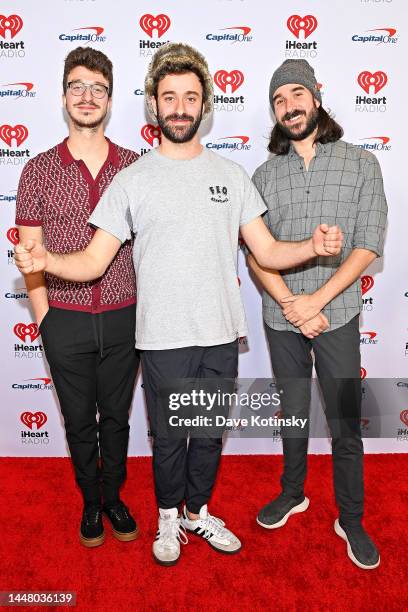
(342, 186)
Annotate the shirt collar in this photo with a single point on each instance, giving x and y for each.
(321, 149)
(67, 159)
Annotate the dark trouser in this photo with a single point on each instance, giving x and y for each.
(184, 471)
(93, 365)
(337, 363)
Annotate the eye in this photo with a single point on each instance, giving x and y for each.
(192, 99)
(168, 99)
(277, 102)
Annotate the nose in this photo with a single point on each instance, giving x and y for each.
(180, 106)
(87, 96)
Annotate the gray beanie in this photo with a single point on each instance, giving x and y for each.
(294, 71)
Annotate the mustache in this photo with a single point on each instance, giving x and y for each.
(176, 117)
(292, 114)
(80, 104)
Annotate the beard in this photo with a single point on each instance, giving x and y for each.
(83, 124)
(179, 134)
(311, 124)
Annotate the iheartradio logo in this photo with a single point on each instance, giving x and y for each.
(150, 133)
(367, 282)
(12, 23)
(307, 24)
(12, 235)
(33, 418)
(18, 133)
(363, 373)
(234, 79)
(22, 330)
(367, 79)
(160, 23)
(404, 417)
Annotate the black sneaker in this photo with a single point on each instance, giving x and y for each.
(91, 532)
(360, 547)
(276, 513)
(123, 524)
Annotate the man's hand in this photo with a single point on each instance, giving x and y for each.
(298, 309)
(315, 326)
(327, 240)
(30, 257)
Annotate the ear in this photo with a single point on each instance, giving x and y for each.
(64, 100)
(153, 103)
(109, 104)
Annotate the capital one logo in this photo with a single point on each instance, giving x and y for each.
(404, 417)
(160, 23)
(151, 132)
(12, 23)
(12, 235)
(367, 79)
(33, 418)
(22, 330)
(18, 133)
(367, 283)
(234, 79)
(296, 23)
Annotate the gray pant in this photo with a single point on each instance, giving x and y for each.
(337, 363)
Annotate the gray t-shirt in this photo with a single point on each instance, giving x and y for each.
(185, 215)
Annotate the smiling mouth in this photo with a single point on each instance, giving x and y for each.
(294, 119)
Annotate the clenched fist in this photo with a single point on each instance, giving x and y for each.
(30, 257)
(327, 240)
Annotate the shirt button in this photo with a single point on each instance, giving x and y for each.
(307, 191)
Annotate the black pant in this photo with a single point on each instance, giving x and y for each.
(337, 363)
(184, 471)
(93, 365)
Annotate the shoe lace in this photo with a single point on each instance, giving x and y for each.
(92, 515)
(120, 512)
(213, 526)
(171, 530)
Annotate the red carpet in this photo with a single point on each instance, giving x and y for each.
(302, 566)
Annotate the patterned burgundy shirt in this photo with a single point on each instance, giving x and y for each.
(58, 193)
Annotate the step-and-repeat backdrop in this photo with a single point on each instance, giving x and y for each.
(357, 49)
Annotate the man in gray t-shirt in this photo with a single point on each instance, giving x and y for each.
(185, 206)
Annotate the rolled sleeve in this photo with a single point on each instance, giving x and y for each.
(372, 210)
(112, 213)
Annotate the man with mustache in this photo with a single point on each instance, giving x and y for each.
(87, 328)
(186, 206)
(316, 305)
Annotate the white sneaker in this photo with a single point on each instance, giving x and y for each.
(166, 547)
(213, 530)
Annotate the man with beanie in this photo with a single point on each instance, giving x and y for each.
(186, 206)
(86, 328)
(315, 306)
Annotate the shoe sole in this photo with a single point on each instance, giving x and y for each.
(165, 563)
(92, 542)
(295, 510)
(126, 537)
(221, 550)
(343, 535)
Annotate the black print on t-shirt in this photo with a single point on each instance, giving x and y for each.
(219, 194)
